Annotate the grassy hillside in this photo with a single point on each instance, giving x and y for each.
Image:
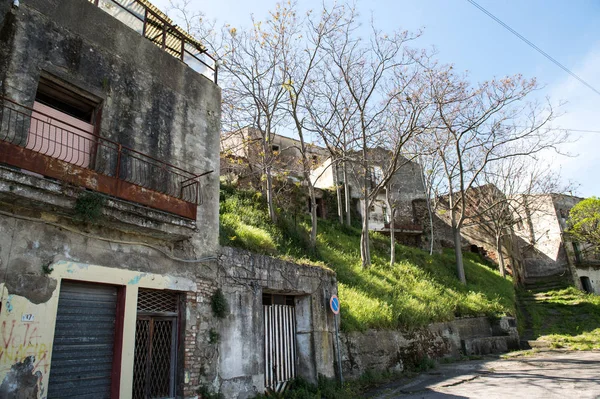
(417, 290)
(565, 318)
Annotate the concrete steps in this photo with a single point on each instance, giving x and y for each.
(490, 345)
(550, 283)
(534, 344)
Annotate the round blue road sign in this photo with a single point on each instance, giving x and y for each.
(334, 304)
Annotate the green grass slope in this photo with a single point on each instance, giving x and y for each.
(566, 318)
(419, 289)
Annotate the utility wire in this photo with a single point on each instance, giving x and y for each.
(576, 130)
(539, 50)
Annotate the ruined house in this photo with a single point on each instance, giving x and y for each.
(112, 280)
(407, 194)
(547, 250)
(241, 160)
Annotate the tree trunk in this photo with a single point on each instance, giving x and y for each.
(313, 215)
(429, 210)
(392, 228)
(460, 268)
(338, 193)
(347, 196)
(365, 250)
(500, 256)
(270, 205)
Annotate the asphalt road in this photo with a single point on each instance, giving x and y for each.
(550, 374)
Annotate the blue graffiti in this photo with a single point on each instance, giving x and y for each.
(9, 306)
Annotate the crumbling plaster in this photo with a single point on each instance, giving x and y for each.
(151, 101)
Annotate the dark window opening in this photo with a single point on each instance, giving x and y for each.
(578, 257)
(69, 100)
(275, 148)
(276, 299)
(320, 207)
(64, 123)
(586, 284)
(315, 159)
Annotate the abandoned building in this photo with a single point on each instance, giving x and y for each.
(240, 160)
(109, 183)
(547, 250)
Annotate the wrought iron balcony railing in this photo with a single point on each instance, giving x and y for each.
(150, 22)
(36, 140)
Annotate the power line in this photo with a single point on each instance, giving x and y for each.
(576, 130)
(539, 50)
(566, 129)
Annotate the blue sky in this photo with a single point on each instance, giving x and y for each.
(469, 39)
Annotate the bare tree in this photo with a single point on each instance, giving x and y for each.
(478, 126)
(301, 59)
(252, 80)
(333, 118)
(507, 190)
(409, 114)
(365, 69)
(254, 64)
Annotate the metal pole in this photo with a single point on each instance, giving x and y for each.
(339, 357)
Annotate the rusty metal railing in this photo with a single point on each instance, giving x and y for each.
(70, 153)
(154, 25)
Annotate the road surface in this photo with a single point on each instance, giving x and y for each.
(547, 375)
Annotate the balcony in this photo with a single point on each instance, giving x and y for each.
(154, 25)
(39, 140)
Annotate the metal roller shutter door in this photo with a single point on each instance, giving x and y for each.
(82, 354)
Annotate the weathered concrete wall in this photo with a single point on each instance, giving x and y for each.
(155, 104)
(593, 273)
(151, 101)
(544, 249)
(385, 350)
(235, 365)
(244, 277)
(28, 321)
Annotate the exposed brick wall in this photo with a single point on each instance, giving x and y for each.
(196, 337)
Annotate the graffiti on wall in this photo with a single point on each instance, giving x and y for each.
(19, 340)
(24, 350)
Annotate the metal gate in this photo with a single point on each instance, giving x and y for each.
(155, 356)
(280, 341)
(82, 352)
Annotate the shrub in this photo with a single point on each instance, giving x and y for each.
(88, 206)
(219, 304)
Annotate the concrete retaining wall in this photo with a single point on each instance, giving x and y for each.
(399, 350)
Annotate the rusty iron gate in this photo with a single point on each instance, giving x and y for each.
(155, 356)
(280, 341)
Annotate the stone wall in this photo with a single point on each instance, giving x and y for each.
(541, 238)
(244, 277)
(393, 350)
(592, 272)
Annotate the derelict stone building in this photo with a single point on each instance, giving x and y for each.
(109, 254)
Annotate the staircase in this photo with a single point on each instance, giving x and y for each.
(550, 283)
(534, 291)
